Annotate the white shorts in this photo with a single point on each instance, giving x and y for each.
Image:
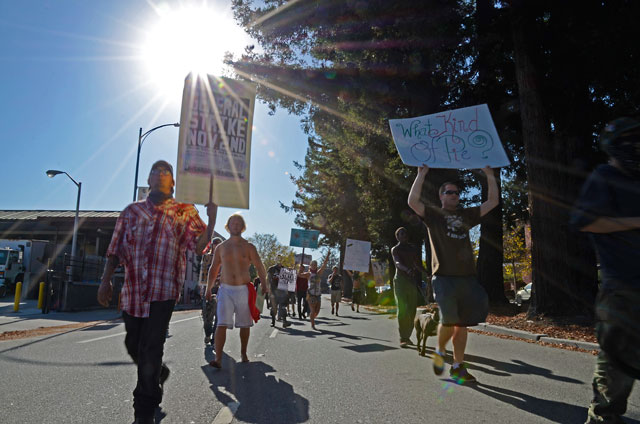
(234, 300)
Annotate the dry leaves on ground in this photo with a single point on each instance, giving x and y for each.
(572, 328)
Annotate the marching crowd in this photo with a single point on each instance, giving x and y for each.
(152, 236)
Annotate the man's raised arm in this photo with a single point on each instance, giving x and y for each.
(204, 238)
(213, 273)
(493, 198)
(416, 191)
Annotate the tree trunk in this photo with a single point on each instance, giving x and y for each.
(490, 251)
(573, 140)
(553, 252)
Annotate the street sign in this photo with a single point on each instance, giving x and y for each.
(304, 238)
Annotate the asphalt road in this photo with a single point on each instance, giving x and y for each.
(352, 371)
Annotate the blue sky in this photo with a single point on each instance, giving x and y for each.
(78, 80)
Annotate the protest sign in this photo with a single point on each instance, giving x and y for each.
(357, 255)
(287, 279)
(379, 270)
(214, 145)
(304, 238)
(460, 138)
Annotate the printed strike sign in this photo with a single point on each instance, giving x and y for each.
(214, 148)
(287, 279)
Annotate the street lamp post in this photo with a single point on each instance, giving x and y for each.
(52, 173)
(141, 138)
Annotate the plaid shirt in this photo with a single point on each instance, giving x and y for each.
(151, 241)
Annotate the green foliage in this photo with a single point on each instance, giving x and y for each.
(269, 248)
(517, 256)
(351, 68)
(552, 74)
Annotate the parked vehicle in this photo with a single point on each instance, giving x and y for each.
(21, 261)
(523, 295)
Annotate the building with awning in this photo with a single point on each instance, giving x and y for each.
(95, 229)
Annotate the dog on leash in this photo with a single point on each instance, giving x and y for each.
(426, 324)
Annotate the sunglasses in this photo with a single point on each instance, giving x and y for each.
(160, 171)
(456, 192)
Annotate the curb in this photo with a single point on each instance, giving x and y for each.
(535, 337)
(574, 343)
(509, 331)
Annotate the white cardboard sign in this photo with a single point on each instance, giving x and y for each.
(459, 139)
(357, 255)
(287, 279)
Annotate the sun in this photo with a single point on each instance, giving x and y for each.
(188, 39)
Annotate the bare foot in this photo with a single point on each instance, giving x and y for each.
(215, 364)
(245, 358)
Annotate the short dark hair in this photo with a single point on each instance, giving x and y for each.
(444, 185)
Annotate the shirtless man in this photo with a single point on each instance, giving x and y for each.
(234, 255)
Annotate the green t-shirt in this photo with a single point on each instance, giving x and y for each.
(452, 254)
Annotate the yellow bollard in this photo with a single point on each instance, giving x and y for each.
(41, 295)
(16, 301)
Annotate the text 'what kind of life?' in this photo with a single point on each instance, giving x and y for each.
(460, 138)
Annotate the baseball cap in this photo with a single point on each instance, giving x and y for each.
(615, 128)
(620, 139)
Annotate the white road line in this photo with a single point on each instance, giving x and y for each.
(274, 333)
(186, 319)
(226, 414)
(124, 332)
(102, 338)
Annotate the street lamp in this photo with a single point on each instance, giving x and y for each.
(52, 173)
(141, 138)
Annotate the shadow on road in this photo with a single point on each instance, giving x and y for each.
(355, 317)
(255, 394)
(554, 411)
(505, 369)
(369, 348)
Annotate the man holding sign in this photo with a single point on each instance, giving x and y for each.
(461, 299)
(279, 292)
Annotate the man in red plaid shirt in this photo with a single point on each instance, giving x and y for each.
(151, 238)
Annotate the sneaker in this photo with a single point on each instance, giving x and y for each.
(460, 375)
(438, 363)
(286, 324)
(207, 340)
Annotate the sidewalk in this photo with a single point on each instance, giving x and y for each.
(495, 329)
(29, 317)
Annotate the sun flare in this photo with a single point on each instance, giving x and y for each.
(189, 39)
